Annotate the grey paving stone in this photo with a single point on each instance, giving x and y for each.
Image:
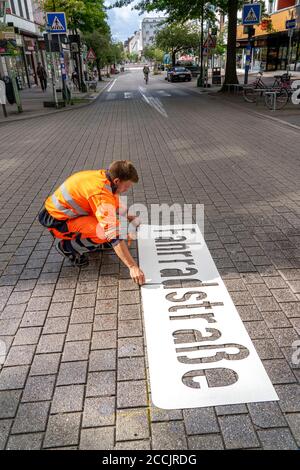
(200, 421)
(131, 394)
(131, 368)
(130, 347)
(257, 330)
(289, 396)
(279, 371)
(17, 298)
(238, 432)
(249, 313)
(267, 349)
(84, 300)
(72, 373)
(133, 445)
(62, 430)
(231, 409)
(160, 415)
(39, 388)
(276, 320)
(205, 442)
(132, 424)
(5, 425)
(266, 415)
(107, 292)
(44, 364)
(129, 297)
(31, 417)
(67, 399)
(266, 304)
(104, 340)
(60, 309)
(9, 327)
(101, 384)
(82, 315)
(43, 290)
(9, 401)
(277, 439)
(79, 332)
(63, 295)
(99, 411)
(129, 312)
(31, 319)
(168, 436)
(275, 282)
(97, 439)
(285, 336)
(50, 343)
(13, 377)
(106, 306)
(129, 328)
(38, 303)
(86, 287)
(291, 309)
(20, 355)
(104, 359)
(28, 335)
(55, 325)
(105, 322)
(76, 351)
(30, 441)
(293, 420)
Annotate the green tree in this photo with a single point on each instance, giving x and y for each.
(100, 43)
(83, 15)
(177, 38)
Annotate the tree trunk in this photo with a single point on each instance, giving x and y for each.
(173, 58)
(98, 65)
(230, 72)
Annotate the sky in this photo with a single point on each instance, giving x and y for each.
(124, 21)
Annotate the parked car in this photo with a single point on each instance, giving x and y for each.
(179, 74)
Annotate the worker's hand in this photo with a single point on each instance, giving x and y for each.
(137, 275)
(134, 220)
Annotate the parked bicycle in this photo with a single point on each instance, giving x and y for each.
(281, 86)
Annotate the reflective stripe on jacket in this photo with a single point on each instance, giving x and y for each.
(87, 193)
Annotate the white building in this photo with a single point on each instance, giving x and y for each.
(135, 43)
(27, 20)
(150, 26)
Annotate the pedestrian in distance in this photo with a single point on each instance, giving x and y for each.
(85, 214)
(146, 72)
(42, 74)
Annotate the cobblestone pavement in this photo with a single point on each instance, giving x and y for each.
(75, 375)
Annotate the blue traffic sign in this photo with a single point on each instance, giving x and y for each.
(290, 24)
(252, 13)
(56, 22)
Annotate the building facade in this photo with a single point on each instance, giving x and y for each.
(150, 26)
(135, 43)
(25, 19)
(270, 44)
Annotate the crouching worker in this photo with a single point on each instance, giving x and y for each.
(84, 214)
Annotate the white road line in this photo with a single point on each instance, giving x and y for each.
(153, 102)
(127, 95)
(163, 93)
(110, 87)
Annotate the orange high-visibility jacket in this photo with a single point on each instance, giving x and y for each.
(87, 193)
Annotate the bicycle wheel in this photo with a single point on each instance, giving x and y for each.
(282, 97)
(249, 94)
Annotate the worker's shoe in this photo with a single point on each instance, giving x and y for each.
(76, 259)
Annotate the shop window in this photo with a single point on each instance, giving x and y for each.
(12, 5)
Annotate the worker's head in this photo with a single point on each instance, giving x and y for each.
(123, 175)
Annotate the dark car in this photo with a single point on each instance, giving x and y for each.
(179, 74)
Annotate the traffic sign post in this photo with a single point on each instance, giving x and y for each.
(290, 26)
(56, 24)
(91, 56)
(251, 16)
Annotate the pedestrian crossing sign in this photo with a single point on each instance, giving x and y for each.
(56, 23)
(252, 13)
